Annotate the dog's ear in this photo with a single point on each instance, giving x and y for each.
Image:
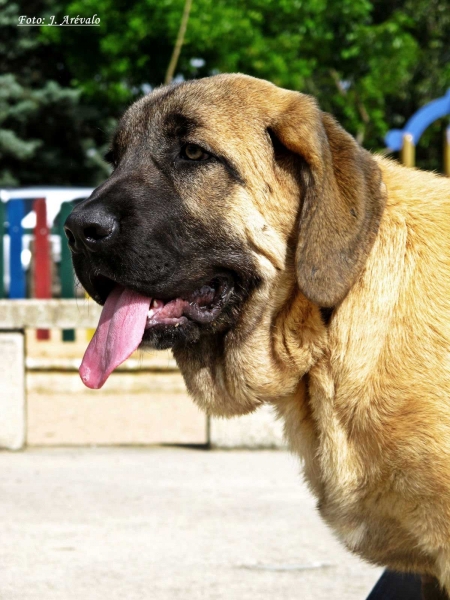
(342, 199)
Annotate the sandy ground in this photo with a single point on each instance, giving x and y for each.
(166, 524)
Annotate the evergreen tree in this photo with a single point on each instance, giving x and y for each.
(48, 135)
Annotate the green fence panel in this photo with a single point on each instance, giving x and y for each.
(65, 268)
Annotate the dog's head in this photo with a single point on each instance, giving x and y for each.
(232, 202)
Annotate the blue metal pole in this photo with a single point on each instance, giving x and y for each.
(16, 212)
(2, 237)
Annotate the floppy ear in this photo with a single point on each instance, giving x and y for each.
(342, 199)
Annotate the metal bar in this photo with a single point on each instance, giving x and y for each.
(16, 212)
(447, 152)
(89, 332)
(66, 270)
(2, 256)
(42, 261)
(408, 152)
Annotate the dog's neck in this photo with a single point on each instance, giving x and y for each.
(263, 362)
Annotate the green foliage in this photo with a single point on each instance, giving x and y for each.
(48, 135)
(372, 63)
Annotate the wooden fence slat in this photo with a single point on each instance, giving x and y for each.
(66, 269)
(2, 257)
(16, 212)
(42, 259)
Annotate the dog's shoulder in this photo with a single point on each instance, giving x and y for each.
(392, 333)
(423, 194)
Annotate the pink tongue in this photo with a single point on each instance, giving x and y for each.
(119, 333)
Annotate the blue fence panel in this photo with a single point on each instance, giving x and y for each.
(2, 254)
(15, 214)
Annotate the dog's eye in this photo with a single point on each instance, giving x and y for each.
(194, 152)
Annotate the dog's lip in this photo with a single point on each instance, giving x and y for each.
(203, 305)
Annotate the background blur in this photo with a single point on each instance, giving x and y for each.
(372, 63)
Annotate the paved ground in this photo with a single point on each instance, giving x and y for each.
(166, 524)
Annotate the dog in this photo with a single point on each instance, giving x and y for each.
(284, 264)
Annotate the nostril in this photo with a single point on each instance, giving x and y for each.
(70, 237)
(90, 229)
(97, 232)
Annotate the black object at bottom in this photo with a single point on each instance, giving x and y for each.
(397, 586)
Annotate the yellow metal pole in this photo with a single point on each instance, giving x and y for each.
(447, 152)
(89, 332)
(408, 153)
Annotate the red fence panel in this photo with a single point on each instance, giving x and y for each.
(42, 259)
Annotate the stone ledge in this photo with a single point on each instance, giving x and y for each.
(71, 365)
(47, 314)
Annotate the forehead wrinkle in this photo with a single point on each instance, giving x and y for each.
(136, 119)
(243, 155)
(177, 124)
(181, 120)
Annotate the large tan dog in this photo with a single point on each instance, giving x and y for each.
(291, 267)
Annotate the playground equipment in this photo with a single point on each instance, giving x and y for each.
(34, 257)
(405, 140)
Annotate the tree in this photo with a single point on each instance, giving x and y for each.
(372, 63)
(362, 59)
(47, 133)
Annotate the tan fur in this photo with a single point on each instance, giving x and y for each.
(366, 398)
(379, 398)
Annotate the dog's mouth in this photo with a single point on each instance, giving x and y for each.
(203, 305)
(129, 317)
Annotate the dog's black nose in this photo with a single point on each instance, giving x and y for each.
(93, 229)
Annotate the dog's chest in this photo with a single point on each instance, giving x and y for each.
(361, 506)
(360, 520)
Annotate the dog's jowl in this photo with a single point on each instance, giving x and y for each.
(246, 230)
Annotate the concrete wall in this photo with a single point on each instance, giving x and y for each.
(12, 390)
(258, 430)
(44, 403)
